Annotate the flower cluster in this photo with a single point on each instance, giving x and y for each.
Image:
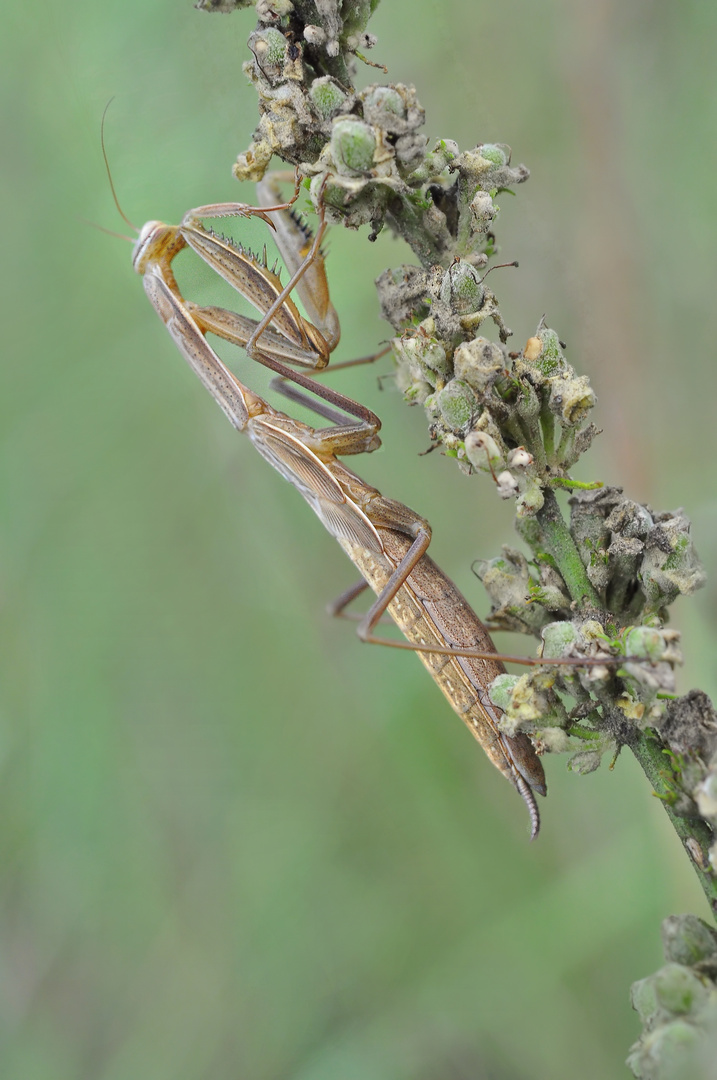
(596, 587)
(678, 1006)
(362, 153)
(609, 703)
(522, 418)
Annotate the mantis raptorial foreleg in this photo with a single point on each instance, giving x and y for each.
(282, 336)
(158, 244)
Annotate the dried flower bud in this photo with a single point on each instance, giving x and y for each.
(494, 153)
(671, 565)
(435, 162)
(483, 451)
(424, 355)
(671, 1050)
(532, 701)
(395, 109)
(461, 288)
(327, 96)
(544, 353)
(571, 399)
(531, 499)
(560, 639)
(271, 10)
(483, 211)
(585, 762)
(382, 105)
(479, 363)
(501, 690)
(551, 740)
(630, 519)
(269, 48)
(687, 939)
(508, 583)
(678, 990)
(478, 171)
(457, 405)
(353, 145)
(415, 389)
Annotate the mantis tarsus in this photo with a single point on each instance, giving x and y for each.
(385, 540)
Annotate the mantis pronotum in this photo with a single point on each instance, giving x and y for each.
(385, 540)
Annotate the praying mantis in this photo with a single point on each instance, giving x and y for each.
(385, 540)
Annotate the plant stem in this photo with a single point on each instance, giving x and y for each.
(547, 423)
(695, 834)
(560, 544)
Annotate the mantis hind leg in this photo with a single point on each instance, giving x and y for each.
(337, 607)
(345, 437)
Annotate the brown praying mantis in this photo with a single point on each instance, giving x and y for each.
(385, 540)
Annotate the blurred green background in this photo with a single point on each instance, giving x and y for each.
(234, 843)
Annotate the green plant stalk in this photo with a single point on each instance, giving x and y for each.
(559, 543)
(582, 733)
(516, 430)
(565, 444)
(695, 834)
(533, 438)
(547, 423)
